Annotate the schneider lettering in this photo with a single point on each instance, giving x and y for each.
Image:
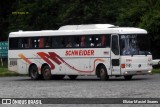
(79, 53)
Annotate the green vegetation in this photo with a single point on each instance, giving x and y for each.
(6, 72)
(156, 71)
(51, 14)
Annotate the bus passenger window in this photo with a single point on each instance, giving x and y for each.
(97, 42)
(41, 42)
(20, 45)
(76, 41)
(69, 42)
(103, 40)
(29, 43)
(82, 41)
(47, 42)
(91, 42)
(47, 45)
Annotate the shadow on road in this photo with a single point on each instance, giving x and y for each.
(87, 79)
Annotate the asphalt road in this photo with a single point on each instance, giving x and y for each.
(145, 86)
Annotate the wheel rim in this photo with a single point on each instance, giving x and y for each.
(47, 72)
(102, 72)
(34, 73)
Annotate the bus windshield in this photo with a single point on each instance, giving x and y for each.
(132, 44)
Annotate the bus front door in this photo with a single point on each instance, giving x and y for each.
(115, 55)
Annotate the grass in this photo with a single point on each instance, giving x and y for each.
(6, 72)
(156, 71)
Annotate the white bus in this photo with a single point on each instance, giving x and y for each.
(103, 50)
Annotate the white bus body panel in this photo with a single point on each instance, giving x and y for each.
(136, 64)
(74, 65)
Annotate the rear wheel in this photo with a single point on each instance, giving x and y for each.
(72, 77)
(33, 72)
(46, 72)
(103, 73)
(58, 77)
(129, 77)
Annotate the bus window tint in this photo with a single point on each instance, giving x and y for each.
(13, 44)
(97, 41)
(115, 45)
(69, 42)
(83, 41)
(47, 42)
(77, 41)
(54, 42)
(41, 42)
(58, 42)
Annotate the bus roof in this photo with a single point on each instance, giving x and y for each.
(89, 26)
(81, 30)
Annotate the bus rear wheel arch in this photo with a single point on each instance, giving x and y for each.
(33, 72)
(101, 72)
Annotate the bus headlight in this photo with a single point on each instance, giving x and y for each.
(149, 71)
(126, 72)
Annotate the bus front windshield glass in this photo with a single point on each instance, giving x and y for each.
(133, 44)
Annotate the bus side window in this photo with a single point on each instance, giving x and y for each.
(13, 43)
(20, 43)
(69, 42)
(47, 42)
(76, 41)
(103, 40)
(91, 41)
(41, 42)
(97, 41)
(107, 40)
(59, 42)
(54, 42)
(82, 41)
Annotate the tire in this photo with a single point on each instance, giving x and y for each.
(58, 77)
(33, 72)
(72, 77)
(103, 75)
(129, 77)
(46, 73)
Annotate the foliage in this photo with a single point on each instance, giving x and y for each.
(51, 14)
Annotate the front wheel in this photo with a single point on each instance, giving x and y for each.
(103, 73)
(46, 72)
(129, 77)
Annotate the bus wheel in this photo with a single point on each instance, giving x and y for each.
(46, 72)
(33, 71)
(58, 77)
(103, 73)
(72, 77)
(129, 77)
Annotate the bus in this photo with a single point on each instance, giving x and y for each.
(103, 50)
